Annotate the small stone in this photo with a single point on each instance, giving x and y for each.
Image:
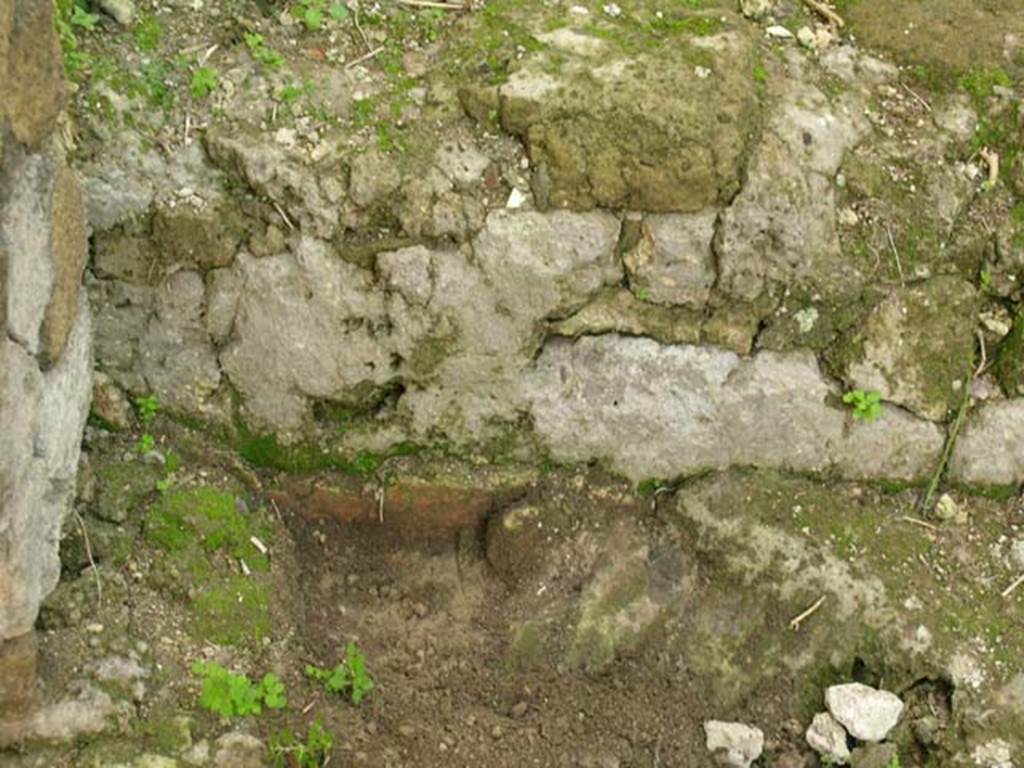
(756, 9)
(1017, 553)
(703, 73)
(805, 36)
(947, 510)
(734, 744)
(867, 713)
(110, 403)
(828, 738)
(285, 137)
(848, 217)
(874, 756)
(420, 610)
(520, 709)
(613, 10)
(516, 198)
(94, 627)
(497, 732)
(778, 32)
(121, 11)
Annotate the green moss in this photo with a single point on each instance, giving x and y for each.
(232, 612)
(528, 647)
(122, 488)
(207, 519)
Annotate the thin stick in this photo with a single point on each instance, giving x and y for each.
(825, 11)
(795, 623)
(1010, 589)
(258, 544)
(359, 29)
(431, 4)
(380, 505)
(88, 554)
(913, 93)
(922, 523)
(984, 357)
(188, 125)
(364, 57)
(947, 451)
(896, 253)
(209, 52)
(284, 216)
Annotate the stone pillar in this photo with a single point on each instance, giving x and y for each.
(46, 347)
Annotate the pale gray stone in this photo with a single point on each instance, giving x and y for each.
(990, 449)
(664, 411)
(867, 713)
(463, 164)
(828, 738)
(673, 263)
(239, 750)
(736, 745)
(42, 415)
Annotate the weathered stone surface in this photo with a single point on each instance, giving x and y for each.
(990, 449)
(109, 402)
(69, 251)
(664, 411)
(41, 423)
(867, 713)
(121, 313)
(781, 228)
(874, 756)
(18, 657)
(915, 346)
(177, 357)
(641, 133)
(736, 745)
(828, 738)
(462, 327)
(32, 60)
(88, 711)
(673, 263)
(239, 750)
(372, 178)
(202, 239)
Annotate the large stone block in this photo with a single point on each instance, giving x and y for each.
(42, 415)
(69, 252)
(644, 133)
(652, 410)
(34, 86)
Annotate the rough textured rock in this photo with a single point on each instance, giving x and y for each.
(45, 352)
(781, 227)
(915, 347)
(990, 450)
(672, 263)
(41, 423)
(736, 745)
(86, 711)
(239, 750)
(828, 738)
(664, 411)
(874, 756)
(460, 327)
(867, 713)
(610, 135)
(17, 672)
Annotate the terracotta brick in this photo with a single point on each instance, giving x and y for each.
(420, 510)
(17, 673)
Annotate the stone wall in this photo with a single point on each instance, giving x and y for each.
(46, 351)
(667, 259)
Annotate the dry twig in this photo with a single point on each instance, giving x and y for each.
(795, 623)
(88, 555)
(364, 57)
(284, 216)
(896, 254)
(432, 4)
(991, 159)
(922, 523)
(1012, 588)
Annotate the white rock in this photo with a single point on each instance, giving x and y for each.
(515, 199)
(867, 713)
(1017, 553)
(828, 738)
(756, 9)
(779, 32)
(735, 744)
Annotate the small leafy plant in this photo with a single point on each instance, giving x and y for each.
(82, 18)
(349, 676)
(231, 695)
(287, 751)
(204, 82)
(148, 407)
(867, 405)
(262, 52)
(311, 12)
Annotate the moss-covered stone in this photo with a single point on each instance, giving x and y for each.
(121, 488)
(206, 538)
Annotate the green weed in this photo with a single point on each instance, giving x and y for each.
(348, 677)
(286, 751)
(867, 406)
(263, 53)
(231, 695)
(148, 33)
(204, 82)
